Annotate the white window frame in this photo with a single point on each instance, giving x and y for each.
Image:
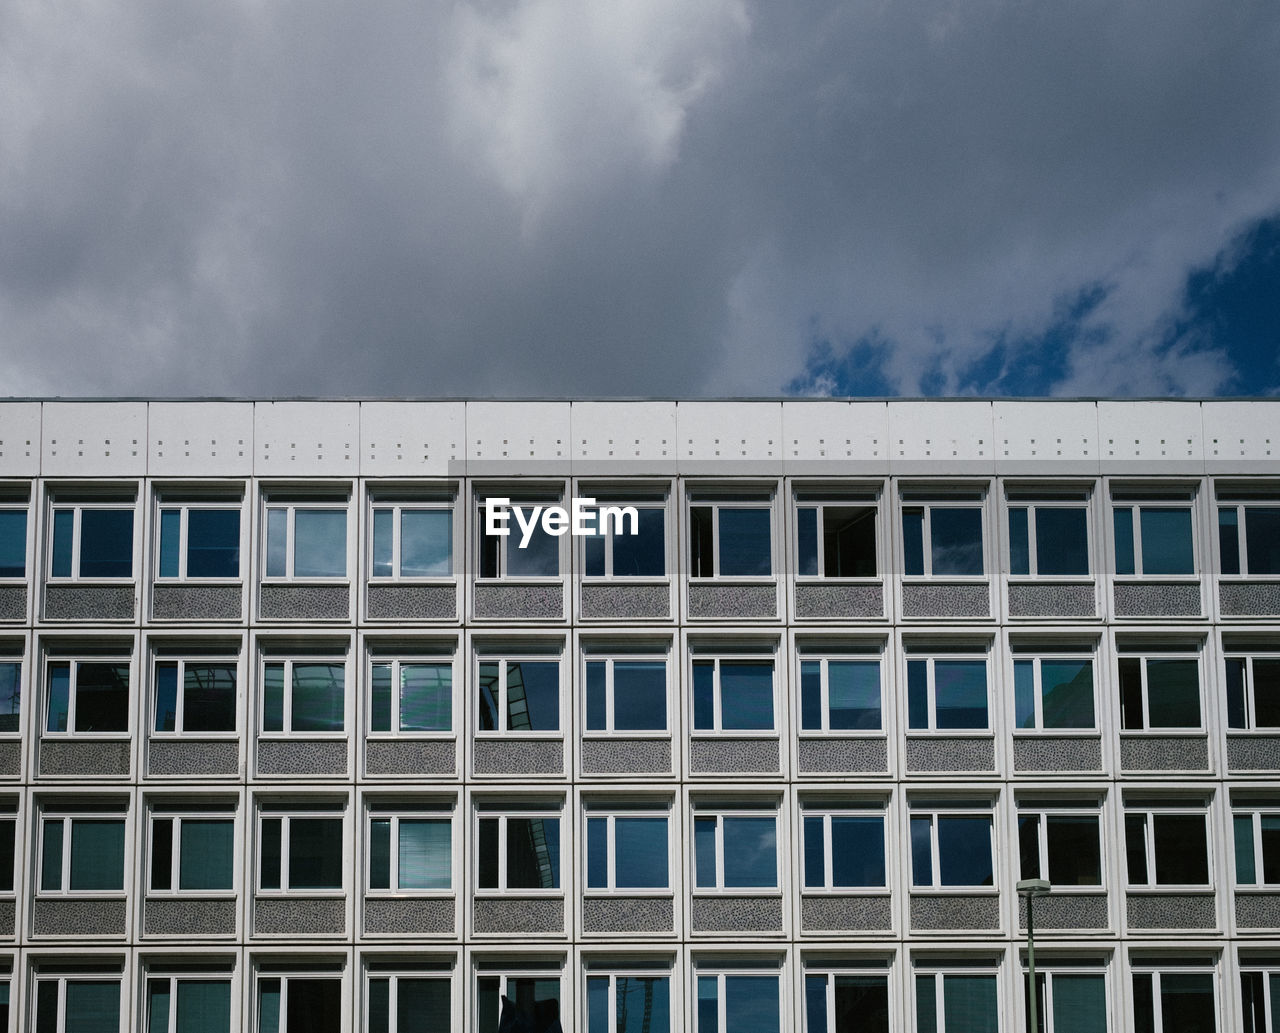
(285, 817)
(1042, 811)
(399, 659)
(503, 816)
(827, 811)
(939, 976)
(441, 811)
(517, 500)
(1250, 700)
(288, 732)
(805, 498)
(158, 811)
(164, 972)
(74, 660)
(1269, 971)
(1175, 965)
(1148, 814)
(720, 973)
(11, 504)
(77, 508)
(717, 730)
(290, 504)
(1036, 654)
(615, 972)
(609, 658)
(62, 979)
(518, 657)
(764, 500)
(1255, 812)
(639, 502)
(930, 657)
(1048, 969)
(17, 658)
(1136, 504)
(1234, 500)
(184, 508)
(1143, 656)
(829, 972)
(975, 497)
(67, 818)
(933, 813)
(398, 506)
(199, 659)
(824, 659)
(719, 813)
(609, 813)
(1031, 502)
(503, 975)
(285, 977)
(393, 974)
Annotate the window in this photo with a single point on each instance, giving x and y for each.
(951, 846)
(623, 548)
(1071, 996)
(411, 696)
(1061, 843)
(942, 539)
(735, 849)
(835, 539)
(410, 850)
(13, 541)
(87, 696)
(412, 540)
(519, 695)
(1166, 846)
(1259, 995)
(92, 541)
(199, 540)
(83, 852)
(628, 1002)
(628, 850)
(626, 694)
(190, 1003)
(1256, 834)
(1154, 540)
(309, 1003)
(1048, 539)
(1158, 692)
(852, 1001)
(733, 695)
(1249, 537)
(195, 696)
(1253, 691)
(83, 1004)
(303, 696)
(527, 1000)
(411, 1000)
(731, 539)
(192, 851)
(1053, 689)
(956, 1002)
(738, 1001)
(8, 846)
(300, 851)
(10, 687)
(527, 550)
(947, 693)
(843, 848)
(840, 695)
(1175, 997)
(518, 851)
(306, 539)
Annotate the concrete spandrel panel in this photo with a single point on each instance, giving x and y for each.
(820, 432)
(19, 439)
(1154, 436)
(639, 436)
(1241, 437)
(517, 437)
(94, 439)
(412, 438)
(927, 437)
(207, 439)
(306, 439)
(717, 435)
(1043, 437)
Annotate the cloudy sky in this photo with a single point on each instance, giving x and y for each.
(639, 197)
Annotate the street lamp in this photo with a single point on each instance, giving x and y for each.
(1032, 888)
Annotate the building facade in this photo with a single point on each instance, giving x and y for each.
(291, 740)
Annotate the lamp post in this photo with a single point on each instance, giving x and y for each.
(1030, 889)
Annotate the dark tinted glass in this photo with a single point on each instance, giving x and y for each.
(1266, 693)
(642, 554)
(13, 543)
(1067, 693)
(314, 1005)
(533, 696)
(807, 541)
(1166, 541)
(1182, 855)
(533, 853)
(213, 543)
(745, 549)
(913, 540)
(318, 691)
(1262, 533)
(1186, 999)
(1075, 856)
(209, 698)
(106, 543)
(1019, 541)
(857, 851)
(102, 697)
(956, 541)
(315, 853)
(964, 850)
(849, 541)
(751, 1003)
(746, 696)
(1062, 542)
(1229, 540)
(1029, 846)
(701, 542)
(639, 695)
(1173, 693)
(1132, 717)
(862, 1004)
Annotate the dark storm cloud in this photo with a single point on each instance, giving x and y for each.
(566, 197)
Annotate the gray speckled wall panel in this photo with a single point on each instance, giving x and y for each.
(8, 917)
(299, 916)
(72, 916)
(10, 758)
(946, 600)
(1067, 911)
(1249, 598)
(413, 602)
(1169, 600)
(1171, 911)
(1258, 910)
(1164, 753)
(1027, 600)
(621, 756)
(736, 914)
(305, 602)
(519, 602)
(930, 911)
(628, 915)
(193, 756)
(733, 755)
(302, 756)
(88, 602)
(411, 757)
(13, 603)
(519, 915)
(196, 602)
(515, 756)
(839, 602)
(823, 914)
(173, 916)
(69, 757)
(626, 602)
(1253, 752)
(951, 753)
(1057, 753)
(823, 756)
(409, 916)
(730, 601)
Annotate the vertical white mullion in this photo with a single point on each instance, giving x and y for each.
(290, 512)
(717, 723)
(179, 717)
(65, 882)
(610, 853)
(393, 1001)
(824, 695)
(931, 695)
(608, 695)
(1135, 524)
(719, 851)
(611, 1012)
(1242, 542)
(500, 697)
(934, 856)
(75, 541)
(1255, 822)
(1149, 844)
(1037, 693)
(393, 854)
(828, 850)
(1042, 843)
(722, 1010)
(396, 512)
(1250, 720)
(502, 852)
(1033, 556)
(62, 1005)
(183, 541)
(715, 540)
(175, 851)
(1156, 1011)
(939, 1001)
(926, 540)
(1146, 701)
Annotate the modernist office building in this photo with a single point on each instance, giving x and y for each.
(290, 742)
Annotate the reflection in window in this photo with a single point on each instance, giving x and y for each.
(1253, 692)
(1063, 848)
(613, 551)
(314, 700)
(92, 543)
(735, 851)
(91, 1005)
(1166, 848)
(942, 540)
(1159, 692)
(1048, 541)
(733, 695)
(187, 1005)
(519, 695)
(422, 1004)
(1068, 1001)
(835, 541)
(627, 852)
(730, 541)
(1249, 540)
(519, 553)
(947, 694)
(1169, 1001)
(950, 848)
(306, 542)
(206, 701)
(13, 543)
(840, 695)
(529, 1004)
(410, 853)
(192, 853)
(843, 850)
(199, 543)
(518, 852)
(411, 697)
(839, 1002)
(410, 542)
(10, 695)
(81, 854)
(956, 1002)
(738, 1003)
(299, 1004)
(626, 695)
(88, 696)
(628, 1003)
(306, 850)
(1153, 540)
(1052, 692)
(1256, 835)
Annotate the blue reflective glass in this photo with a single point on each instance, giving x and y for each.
(746, 696)
(166, 697)
(380, 698)
(533, 696)
(597, 712)
(964, 850)
(853, 694)
(640, 849)
(1229, 540)
(815, 867)
(1262, 533)
(598, 1004)
(213, 543)
(913, 540)
(1173, 693)
(320, 543)
(811, 695)
(170, 541)
(593, 556)
(642, 554)
(960, 693)
(533, 853)
(106, 543)
(704, 852)
(277, 542)
(540, 555)
(1066, 688)
(59, 696)
(639, 695)
(750, 851)
(318, 691)
(807, 542)
(745, 545)
(815, 1004)
(752, 1004)
(426, 543)
(1024, 693)
(642, 1004)
(708, 1005)
(10, 696)
(1019, 547)
(383, 542)
(1166, 541)
(64, 524)
(857, 851)
(597, 853)
(956, 541)
(1062, 542)
(921, 851)
(704, 680)
(1122, 523)
(13, 542)
(426, 697)
(917, 694)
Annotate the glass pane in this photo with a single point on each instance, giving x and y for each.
(964, 850)
(209, 698)
(380, 698)
(969, 1004)
(51, 855)
(746, 696)
(708, 1004)
(593, 556)
(751, 1003)
(314, 1006)
(704, 852)
(1173, 693)
(597, 853)
(1019, 541)
(269, 875)
(1166, 541)
(10, 696)
(426, 543)
(1186, 999)
(704, 679)
(92, 1006)
(213, 543)
(8, 839)
(206, 856)
(1066, 688)
(13, 543)
(487, 853)
(320, 543)
(956, 541)
(960, 693)
(750, 851)
(913, 540)
(1122, 523)
(379, 1006)
(157, 1006)
(1229, 540)
(701, 536)
(1132, 717)
(640, 846)
(1062, 542)
(1135, 847)
(640, 696)
(1242, 834)
(1270, 831)
(269, 1006)
(1079, 1003)
(1144, 1008)
(170, 542)
(917, 694)
(380, 854)
(1075, 853)
(533, 853)
(102, 697)
(849, 541)
(1024, 692)
(273, 697)
(540, 554)
(862, 1004)
(59, 696)
(383, 546)
(857, 851)
(422, 1006)
(597, 712)
(162, 854)
(815, 855)
(64, 523)
(277, 538)
(853, 693)
(533, 696)
(745, 545)
(425, 854)
(97, 855)
(815, 1004)
(489, 704)
(642, 1004)
(1182, 856)
(807, 542)
(642, 554)
(811, 695)
(1236, 712)
(927, 1004)
(426, 697)
(1265, 683)
(106, 543)
(318, 697)
(921, 851)
(1262, 535)
(204, 1006)
(1029, 846)
(532, 1005)
(315, 854)
(166, 697)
